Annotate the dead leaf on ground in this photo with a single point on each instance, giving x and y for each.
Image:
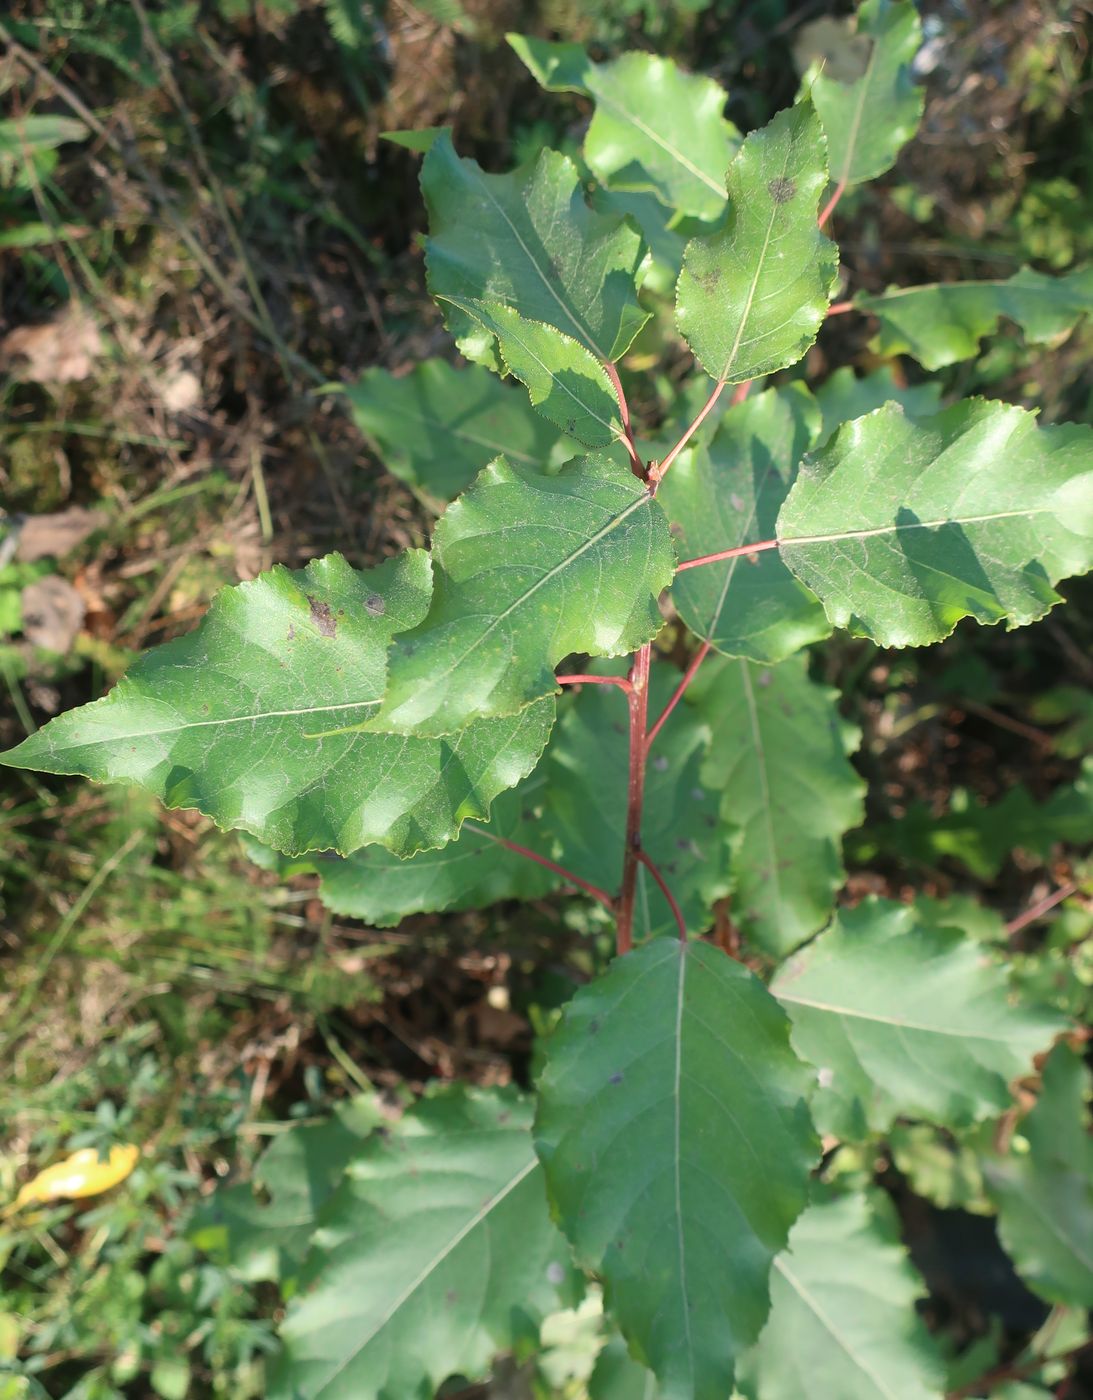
(61, 351)
(53, 614)
(43, 535)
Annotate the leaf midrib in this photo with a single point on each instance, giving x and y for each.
(830, 1327)
(434, 1263)
(657, 139)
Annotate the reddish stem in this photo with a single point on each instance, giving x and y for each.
(1040, 908)
(636, 464)
(829, 207)
(839, 308)
(739, 550)
(567, 875)
(582, 679)
(677, 913)
(688, 676)
(635, 795)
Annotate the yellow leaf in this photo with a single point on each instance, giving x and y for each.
(82, 1174)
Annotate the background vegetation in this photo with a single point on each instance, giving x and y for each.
(201, 232)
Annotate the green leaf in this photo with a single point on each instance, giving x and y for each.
(788, 793)
(437, 427)
(729, 494)
(869, 119)
(842, 1318)
(903, 527)
(469, 873)
(982, 838)
(1044, 1192)
(946, 321)
(529, 568)
(655, 128)
(843, 396)
(565, 382)
(617, 1376)
(906, 1021)
(585, 805)
(752, 296)
(298, 1172)
(528, 240)
(255, 719)
(677, 1149)
(437, 1253)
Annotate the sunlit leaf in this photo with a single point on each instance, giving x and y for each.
(903, 526)
(752, 296)
(255, 719)
(947, 321)
(528, 569)
(655, 127)
(529, 240)
(869, 118)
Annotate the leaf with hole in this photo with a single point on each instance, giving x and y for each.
(674, 1138)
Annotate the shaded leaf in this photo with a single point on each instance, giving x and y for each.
(842, 1318)
(869, 119)
(905, 1021)
(437, 427)
(728, 494)
(529, 568)
(254, 718)
(585, 805)
(1044, 1194)
(843, 396)
(982, 838)
(298, 1173)
(778, 757)
(946, 321)
(566, 383)
(903, 527)
(469, 873)
(752, 296)
(674, 1138)
(433, 1255)
(528, 240)
(655, 127)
